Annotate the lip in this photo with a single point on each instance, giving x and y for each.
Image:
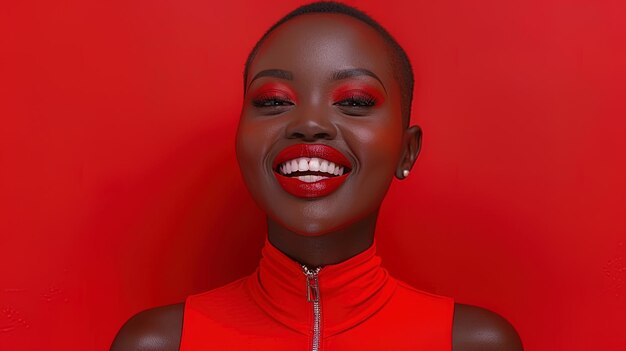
(311, 150)
(320, 188)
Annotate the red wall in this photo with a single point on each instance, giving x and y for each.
(119, 190)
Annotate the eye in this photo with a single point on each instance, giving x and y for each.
(357, 101)
(272, 102)
(272, 98)
(269, 101)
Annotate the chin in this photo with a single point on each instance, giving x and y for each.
(311, 227)
(306, 228)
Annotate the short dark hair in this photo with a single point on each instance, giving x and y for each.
(401, 65)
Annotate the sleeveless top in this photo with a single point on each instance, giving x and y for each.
(353, 305)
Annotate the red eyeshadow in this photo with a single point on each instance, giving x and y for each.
(274, 89)
(349, 90)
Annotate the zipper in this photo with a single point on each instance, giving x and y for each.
(313, 296)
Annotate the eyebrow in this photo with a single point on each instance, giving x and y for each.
(338, 75)
(277, 73)
(355, 72)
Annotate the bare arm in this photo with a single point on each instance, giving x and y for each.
(477, 329)
(156, 329)
(159, 329)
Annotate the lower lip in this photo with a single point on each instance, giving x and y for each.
(298, 188)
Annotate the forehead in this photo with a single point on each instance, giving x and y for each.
(316, 45)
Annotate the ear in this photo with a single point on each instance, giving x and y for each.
(411, 145)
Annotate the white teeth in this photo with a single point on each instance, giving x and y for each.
(310, 178)
(324, 166)
(314, 164)
(304, 164)
(294, 165)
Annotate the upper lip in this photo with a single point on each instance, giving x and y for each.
(311, 150)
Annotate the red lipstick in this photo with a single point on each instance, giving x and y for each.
(323, 187)
(311, 150)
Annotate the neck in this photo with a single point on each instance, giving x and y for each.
(329, 248)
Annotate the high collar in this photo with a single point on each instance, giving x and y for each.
(349, 292)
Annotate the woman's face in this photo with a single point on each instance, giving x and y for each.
(321, 132)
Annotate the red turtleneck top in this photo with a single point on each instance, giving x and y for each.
(353, 305)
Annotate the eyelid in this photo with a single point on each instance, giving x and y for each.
(274, 89)
(352, 94)
(357, 90)
(273, 94)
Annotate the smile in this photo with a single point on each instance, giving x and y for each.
(311, 170)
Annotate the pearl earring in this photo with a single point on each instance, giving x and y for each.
(405, 173)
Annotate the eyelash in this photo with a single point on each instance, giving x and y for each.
(271, 102)
(354, 104)
(357, 101)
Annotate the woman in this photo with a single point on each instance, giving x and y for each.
(324, 128)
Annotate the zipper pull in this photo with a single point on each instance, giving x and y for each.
(312, 288)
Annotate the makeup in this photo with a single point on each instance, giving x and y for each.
(274, 89)
(365, 94)
(311, 170)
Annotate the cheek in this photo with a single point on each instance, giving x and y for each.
(254, 138)
(378, 146)
(247, 145)
(380, 139)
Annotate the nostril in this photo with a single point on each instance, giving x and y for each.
(309, 129)
(322, 136)
(297, 135)
(316, 136)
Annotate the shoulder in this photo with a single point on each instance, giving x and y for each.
(156, 329)
(475, 328)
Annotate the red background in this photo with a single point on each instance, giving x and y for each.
(119, 189)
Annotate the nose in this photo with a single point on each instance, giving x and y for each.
(310, 125)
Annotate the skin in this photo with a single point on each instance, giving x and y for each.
(333, 228)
